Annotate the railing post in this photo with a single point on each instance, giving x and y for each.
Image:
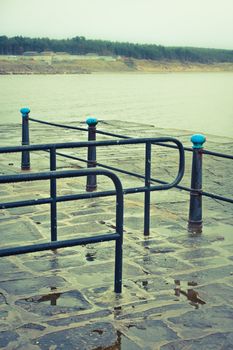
(147, 193)
(25, 159)
(195, 205)
(53, 195)
(91, 184)
(119, 241)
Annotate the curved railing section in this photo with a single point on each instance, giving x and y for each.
(53, 199)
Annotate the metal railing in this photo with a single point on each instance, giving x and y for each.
(196, 191)
(147, 188)
(54, 199)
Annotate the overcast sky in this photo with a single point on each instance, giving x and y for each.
(200, 23)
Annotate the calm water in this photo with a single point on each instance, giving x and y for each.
(201, 102)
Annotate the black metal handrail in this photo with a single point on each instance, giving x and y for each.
(147, 188)
(106, 133)
(180, 187)
(54, 244)
(196, 192)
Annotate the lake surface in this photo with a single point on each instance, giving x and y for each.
(199, 102)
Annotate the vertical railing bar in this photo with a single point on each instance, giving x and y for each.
(119, 241)
(147, 193)
(91, 184)
(25, 158)
(53, 194)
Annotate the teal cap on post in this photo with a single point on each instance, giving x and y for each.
(198, 140)
(25, 111)
(91, 121)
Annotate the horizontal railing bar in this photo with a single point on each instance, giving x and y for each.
(180, 187)
(58, 125)
(103, 143)
(216, 154)
(189, 149)
(130, 137)
(25, 203)
(141, 176)
(215, 196)
(72, 157)
(58, 244)
(104, 166)
(54, 174)
(35, 176)
(5, 178)
(59, 199)
(43, 147)
(124, 171)
(72, 197)
(112, 134)
(98, 132)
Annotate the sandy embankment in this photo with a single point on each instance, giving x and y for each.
(80, 65)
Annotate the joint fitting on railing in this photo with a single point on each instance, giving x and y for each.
(91, 121)
(198, 140)
(195, 227)
(25, 111)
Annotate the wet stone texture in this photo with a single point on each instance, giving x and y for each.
(97, 335)
(177, 286)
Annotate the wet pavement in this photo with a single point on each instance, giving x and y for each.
(177, 286)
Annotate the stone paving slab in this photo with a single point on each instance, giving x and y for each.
(177, 287)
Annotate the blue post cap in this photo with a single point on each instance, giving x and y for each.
(91, 121)
(198, 140)
(25, 111)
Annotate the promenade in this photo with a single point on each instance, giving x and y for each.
(177, 286)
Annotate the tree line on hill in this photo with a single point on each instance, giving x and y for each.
(79, 45)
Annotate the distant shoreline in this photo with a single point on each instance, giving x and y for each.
(71, 64)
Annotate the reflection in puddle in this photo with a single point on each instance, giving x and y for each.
(91, 256)
(50, 297)
(190, 294)
(73, 300)
(117, 311)
(145, 285)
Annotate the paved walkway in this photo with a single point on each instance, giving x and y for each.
(177, 290)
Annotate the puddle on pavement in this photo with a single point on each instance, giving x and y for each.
(52, 299)
(61, 299)
(91, 256)
(191, 294)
